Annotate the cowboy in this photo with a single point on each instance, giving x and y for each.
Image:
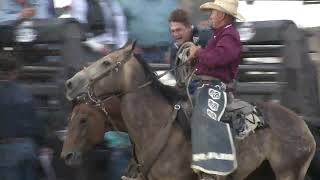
(221, 57)
(216, 66)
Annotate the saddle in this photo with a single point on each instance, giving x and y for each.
(244, 118)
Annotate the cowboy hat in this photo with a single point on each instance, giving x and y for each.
(227, 6)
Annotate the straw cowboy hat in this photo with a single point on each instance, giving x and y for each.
(227, 6)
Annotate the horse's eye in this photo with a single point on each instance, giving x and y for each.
(106, 63)
(83, 121)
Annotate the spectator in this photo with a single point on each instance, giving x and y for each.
(147, 23)
(20, 130)
(105, 22)
(11, 10)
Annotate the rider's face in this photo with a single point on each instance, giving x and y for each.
(180, 33)
(216, 19)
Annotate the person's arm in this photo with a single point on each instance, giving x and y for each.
(79, 10)
(226, 50)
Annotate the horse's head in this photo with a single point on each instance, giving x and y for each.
(105, 76)
(86, 129)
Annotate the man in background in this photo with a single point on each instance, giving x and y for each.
(21, 132)
(104, 22)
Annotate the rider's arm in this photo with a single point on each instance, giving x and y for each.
(227, 50)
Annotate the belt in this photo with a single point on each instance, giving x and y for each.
(206, 78)
(13, 140)
(230, 87)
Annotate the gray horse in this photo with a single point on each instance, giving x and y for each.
(147, 106)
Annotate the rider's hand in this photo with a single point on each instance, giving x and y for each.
(27, 13)
(192, 53)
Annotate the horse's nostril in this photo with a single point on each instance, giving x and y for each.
(69, 85)
(69, 156)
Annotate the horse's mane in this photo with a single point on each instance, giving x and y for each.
(171, 93)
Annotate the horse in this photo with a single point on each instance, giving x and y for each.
(147, 107)
(86, 127)
(96, 117)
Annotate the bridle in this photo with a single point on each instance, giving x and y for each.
(115, 66)
(91, 99)
(84, 98)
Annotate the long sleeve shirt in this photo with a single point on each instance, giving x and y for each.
(111, 11)
(17, 114)
(10, 10)
(221, 57)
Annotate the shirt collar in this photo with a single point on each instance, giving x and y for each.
(222, 28)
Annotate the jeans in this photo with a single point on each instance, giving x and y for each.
(18, 161)
(193, 86)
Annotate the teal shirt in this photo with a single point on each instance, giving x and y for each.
(115, 139)
(148, 20)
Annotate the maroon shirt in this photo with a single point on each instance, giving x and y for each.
(221, 57)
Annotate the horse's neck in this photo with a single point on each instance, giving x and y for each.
(145, 112)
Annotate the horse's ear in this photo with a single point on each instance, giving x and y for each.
(131, 44)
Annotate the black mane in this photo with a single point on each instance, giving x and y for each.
(171, 93)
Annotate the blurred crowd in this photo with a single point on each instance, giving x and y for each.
(109, 24)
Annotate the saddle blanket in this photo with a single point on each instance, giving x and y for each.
(213, 150)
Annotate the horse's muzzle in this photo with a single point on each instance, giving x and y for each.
(72, 158)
